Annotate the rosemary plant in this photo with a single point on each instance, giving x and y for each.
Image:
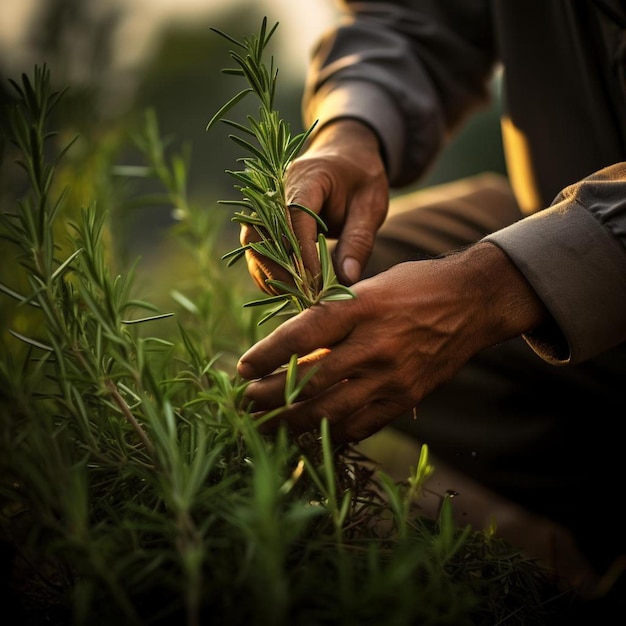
(134, 490)
(262, 185)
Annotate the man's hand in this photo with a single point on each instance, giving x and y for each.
(342, 178)
(407, 331)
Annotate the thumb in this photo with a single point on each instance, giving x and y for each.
(353, 250)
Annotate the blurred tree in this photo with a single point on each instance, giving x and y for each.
(75, 39)
(182, 82)
(184, 85)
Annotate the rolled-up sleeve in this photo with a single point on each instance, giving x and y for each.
(574, 256)
(412, 71)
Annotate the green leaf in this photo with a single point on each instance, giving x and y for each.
(254, 150)
(343, 293)
(238, 126)
(17, 296)
(152, 318)
(227, 36)
(244, 203)
(66, 263)
(268, 300)
(226, 107)
(32, 342)
(184, 301)
(284, 287)
(291, 380)
(313, 214)
(234, 255)
(274, 312)
(293, 387)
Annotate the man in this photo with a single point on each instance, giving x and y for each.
(498, 320)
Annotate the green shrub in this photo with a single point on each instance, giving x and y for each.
(135, 489)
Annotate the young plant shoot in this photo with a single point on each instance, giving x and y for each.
(262, 186)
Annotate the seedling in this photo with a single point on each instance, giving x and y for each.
(271, 148)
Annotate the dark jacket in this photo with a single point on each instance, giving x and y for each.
(415, 70)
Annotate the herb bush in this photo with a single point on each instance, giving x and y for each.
(135, 489)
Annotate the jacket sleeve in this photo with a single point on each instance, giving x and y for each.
(412, 71)
(574, 256)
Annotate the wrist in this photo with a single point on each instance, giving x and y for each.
(511, 305)
(346, 132)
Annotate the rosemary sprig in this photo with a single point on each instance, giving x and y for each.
(262, 185)
(135, 490)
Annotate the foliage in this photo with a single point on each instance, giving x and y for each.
(134, 489)
(262, 185)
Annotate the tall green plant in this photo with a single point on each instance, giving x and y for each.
(262, 184)
(210, 311)
(135, 490)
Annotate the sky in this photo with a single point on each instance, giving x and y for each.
(302, 21)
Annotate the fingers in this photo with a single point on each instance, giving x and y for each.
(257, 271)
(261, 268)
(353, 251)
(355, 396)
(345, 406)
(365, 215)
(319, 327)
(367, 421)
(269, 393)
(342, 177)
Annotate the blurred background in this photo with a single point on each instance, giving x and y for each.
(120, 57)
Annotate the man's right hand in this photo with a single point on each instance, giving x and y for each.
(341, 177)
(372, 358)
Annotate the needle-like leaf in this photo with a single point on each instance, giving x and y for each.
(263, 184)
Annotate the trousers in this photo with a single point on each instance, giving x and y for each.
(543, 436)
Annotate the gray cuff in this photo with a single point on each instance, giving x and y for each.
(362, 101)
(577, 268)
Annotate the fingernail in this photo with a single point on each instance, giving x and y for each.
(352, 269)
(245, 370)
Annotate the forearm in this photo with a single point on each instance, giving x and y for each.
(405, 70)
(345, 136)
(504, 303)
(574, 255)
